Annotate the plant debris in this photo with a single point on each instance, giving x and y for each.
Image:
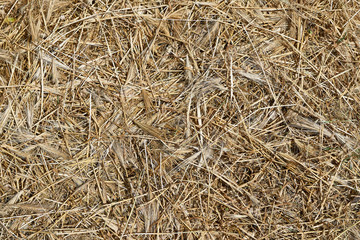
(179, 119)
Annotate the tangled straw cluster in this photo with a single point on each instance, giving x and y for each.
(179, 119)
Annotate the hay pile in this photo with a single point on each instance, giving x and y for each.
(179, 119)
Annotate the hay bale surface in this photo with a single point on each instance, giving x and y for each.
(179, 119)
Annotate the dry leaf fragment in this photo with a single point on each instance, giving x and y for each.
(147, 102)
(53, 151)
(150, 130)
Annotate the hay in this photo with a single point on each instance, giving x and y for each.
(179, 119)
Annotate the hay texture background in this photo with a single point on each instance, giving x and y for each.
(179, 119)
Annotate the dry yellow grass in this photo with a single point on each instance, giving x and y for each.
(179, 119)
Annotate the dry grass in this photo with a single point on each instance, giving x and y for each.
(179, 119)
